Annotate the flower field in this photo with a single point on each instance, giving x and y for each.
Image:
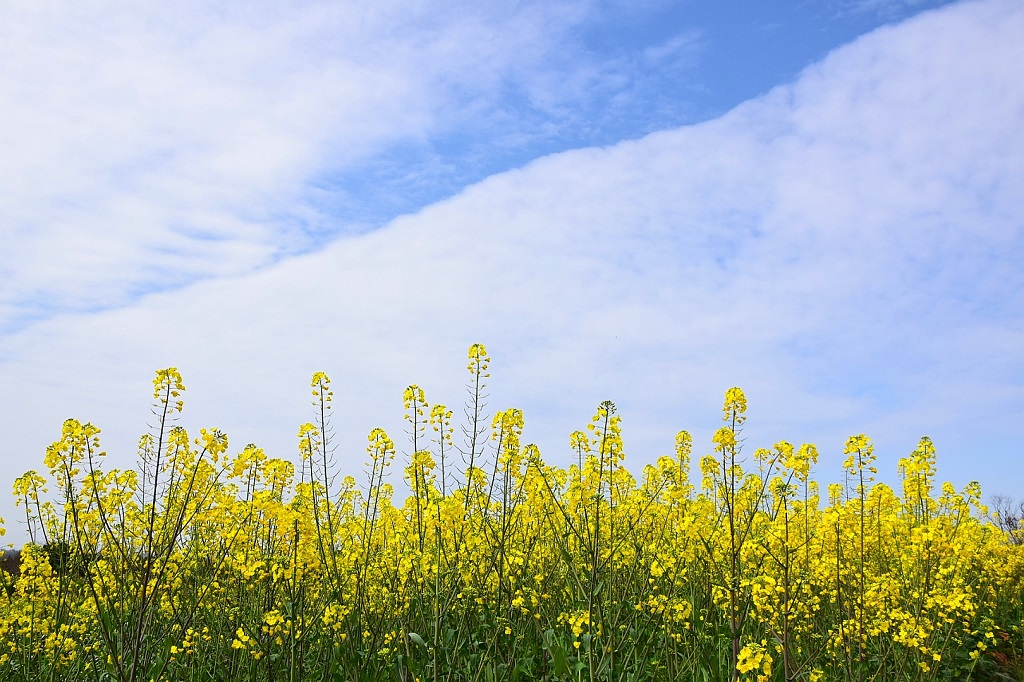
(205, 565)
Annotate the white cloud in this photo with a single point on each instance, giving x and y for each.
(152, 145)
(846, 248)
(680, 47)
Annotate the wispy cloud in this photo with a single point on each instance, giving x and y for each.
(152, 146)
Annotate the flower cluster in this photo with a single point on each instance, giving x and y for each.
(200, 564)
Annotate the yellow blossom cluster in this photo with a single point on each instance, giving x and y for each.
(200, 564)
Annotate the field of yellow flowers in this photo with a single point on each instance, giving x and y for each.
(201, 565)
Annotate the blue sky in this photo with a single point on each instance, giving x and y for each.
(820, 202)
(629, 69)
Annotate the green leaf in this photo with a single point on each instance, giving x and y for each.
(559, 659)
(156, 668)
